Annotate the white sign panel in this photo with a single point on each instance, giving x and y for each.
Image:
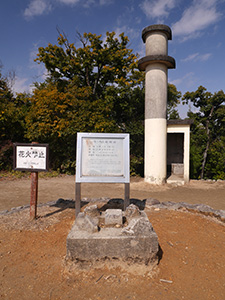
(102, 157)
(31, 157)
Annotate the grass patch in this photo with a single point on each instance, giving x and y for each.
(24, 174)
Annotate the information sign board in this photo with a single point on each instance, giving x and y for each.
(102, 157)
(30, 157)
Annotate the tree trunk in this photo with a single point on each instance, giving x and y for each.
(204, 159)
(207, 144)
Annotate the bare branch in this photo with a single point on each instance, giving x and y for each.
(81, 39)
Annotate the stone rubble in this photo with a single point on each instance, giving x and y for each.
(149, 203)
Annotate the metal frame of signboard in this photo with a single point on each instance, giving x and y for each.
(122, 178)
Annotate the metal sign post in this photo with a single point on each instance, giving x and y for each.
(34, 158)
(102, 157)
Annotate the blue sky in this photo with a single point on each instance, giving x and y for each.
(198, 29)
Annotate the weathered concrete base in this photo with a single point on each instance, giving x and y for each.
(176, 180)
(177, 169)
(135, 240)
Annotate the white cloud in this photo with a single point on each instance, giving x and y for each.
(197, 17)
(37, 8)
(188, 78)
(40, 7)
(21, 85)
(157, 8)
(197, 57)
(69, 2)
(128, 31)
(190, 57)
(105, 2)
(86, 3)
(39, 68)
(205, 57)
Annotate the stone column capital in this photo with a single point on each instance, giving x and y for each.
(156, 28)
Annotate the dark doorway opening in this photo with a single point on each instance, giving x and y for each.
(175, 154)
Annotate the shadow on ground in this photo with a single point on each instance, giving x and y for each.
(115, 203)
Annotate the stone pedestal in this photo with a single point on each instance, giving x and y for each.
(133, 240)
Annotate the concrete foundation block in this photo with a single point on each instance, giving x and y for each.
(134, 241)
(177, 169)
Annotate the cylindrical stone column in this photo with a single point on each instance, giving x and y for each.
(155, 64)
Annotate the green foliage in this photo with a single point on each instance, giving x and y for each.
(173, 100)
(55, 117)
(6, 155)
(97, 88)
(94, 88)
(197, 146)
(128, 112)
(12, 126)
(215, 167)
(96, 64)
(207, 135)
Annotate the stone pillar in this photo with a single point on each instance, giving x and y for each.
(155, 64)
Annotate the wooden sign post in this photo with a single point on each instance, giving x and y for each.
(33, 195)
(33, 192)
(34, 158)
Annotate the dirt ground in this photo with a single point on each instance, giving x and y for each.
(33, 262)
(15, 193)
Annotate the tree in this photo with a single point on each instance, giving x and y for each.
(6, 100)
(96, 64)
(12, 113)
(55, 117)
(96, 87)
(209, 122)
(173, 100)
